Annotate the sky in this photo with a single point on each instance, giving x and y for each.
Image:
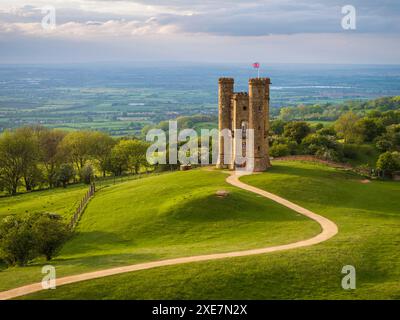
(271, 31)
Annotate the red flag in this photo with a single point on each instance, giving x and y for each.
(256, 65)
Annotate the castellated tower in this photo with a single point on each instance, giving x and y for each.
(244, 111)
(225, 92)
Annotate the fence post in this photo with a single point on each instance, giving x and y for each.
(81, 206)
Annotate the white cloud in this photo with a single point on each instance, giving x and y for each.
(235, 30)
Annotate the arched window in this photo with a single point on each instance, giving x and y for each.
(244, 126)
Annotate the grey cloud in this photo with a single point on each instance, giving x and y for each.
(243, 17)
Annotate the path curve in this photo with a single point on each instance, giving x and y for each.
(329, 229)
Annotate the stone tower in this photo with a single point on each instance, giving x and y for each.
(244, 111)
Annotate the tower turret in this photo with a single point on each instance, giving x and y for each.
(225, 92)
(258, 107)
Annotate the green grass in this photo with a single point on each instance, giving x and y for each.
(165, 216)
(59, 200)
(369, 238)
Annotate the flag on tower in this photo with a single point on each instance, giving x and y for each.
(256, 65)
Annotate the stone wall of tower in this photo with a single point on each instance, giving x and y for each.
(258, 106)
(225, 92)
(240, 114)
(266, 117)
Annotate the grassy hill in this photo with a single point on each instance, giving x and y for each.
(368, 218)
(61, 201)
(171, 215)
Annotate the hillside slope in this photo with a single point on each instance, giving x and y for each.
(171, 215)
(368, 220)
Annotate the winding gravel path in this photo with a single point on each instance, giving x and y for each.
(329, 229)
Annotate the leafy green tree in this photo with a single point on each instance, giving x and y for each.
(129, 155)
(369, 129)
(277, 126)
(327, 131)
(77, 147)
(49, 233)
(347, 128)
(388, 162)
(18, 154)
(87, 174)
(384, 143)
(17, 241)
(65, 174)
(296, 130)
(49, 142)
(101, 147)
(322, 146)
(279, 150)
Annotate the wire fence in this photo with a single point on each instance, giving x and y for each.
(82, 205)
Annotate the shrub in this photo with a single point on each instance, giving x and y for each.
(388, 162)
(49, 233)
(279, 150)
(17, 242)
(24, 238)
(325, 147)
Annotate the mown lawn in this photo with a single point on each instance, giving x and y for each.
(368, 217)
(170, 215)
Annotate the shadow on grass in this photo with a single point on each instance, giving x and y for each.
(237, 205)
(85, 241)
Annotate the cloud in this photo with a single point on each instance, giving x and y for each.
(222, 17)
(235, 30)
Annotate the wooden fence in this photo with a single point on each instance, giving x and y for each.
(82, 205)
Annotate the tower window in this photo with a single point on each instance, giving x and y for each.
(258, 148)
(259, 108)
(244, 108)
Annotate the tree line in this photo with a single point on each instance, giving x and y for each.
(332, 111)
(37, 157)
(345, 139)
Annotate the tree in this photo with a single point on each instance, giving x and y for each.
(17, 242)
(49, 233)
(322, 146)
(296, 130)
(128, 155)
(279, 150)
(384, 143)
(277, 126)
(65, 173)
(369, 129)
(77, 147)
(49, 141)
(327, 131)
(18, 156)
(388, 162)
(347, 128)
(101, 147)
(87, 174)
